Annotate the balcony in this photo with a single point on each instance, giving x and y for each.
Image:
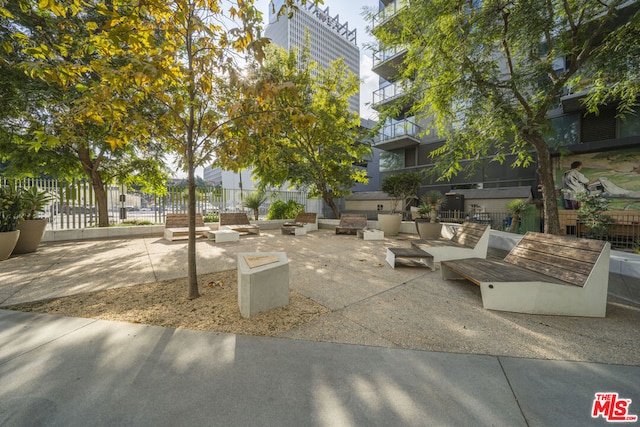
(390, 10)
(398, 135)
(388, 94)
(387, 63)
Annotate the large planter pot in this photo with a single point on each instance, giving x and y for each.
(390, 224)
(427, 229)
(31, 232)
(8, 240)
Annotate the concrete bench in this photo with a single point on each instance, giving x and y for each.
(177, 226)
(302, 223)
(471, 240)
(220, 236)
(370, 234)
(237, 221)
(543, 274)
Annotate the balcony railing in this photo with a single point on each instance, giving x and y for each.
(388, 62)
(388, 12)
(387, 93)
(404, 133)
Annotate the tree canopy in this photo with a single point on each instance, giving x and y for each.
(313, 140)
(489, 72)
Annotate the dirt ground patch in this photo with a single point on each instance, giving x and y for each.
(166, 304)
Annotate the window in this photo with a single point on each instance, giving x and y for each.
(564, 131)
(630, 125)
(391, 160)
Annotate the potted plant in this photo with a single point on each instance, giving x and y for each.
(10, 212)
(31, 227)
(399, 187)
(427, 224)
(517, 208)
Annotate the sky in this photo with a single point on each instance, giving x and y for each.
(351, 12)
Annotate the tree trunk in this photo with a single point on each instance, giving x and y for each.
(545, 173)
(514, 222)
(91, 169)
(328, 198)
(191, 245)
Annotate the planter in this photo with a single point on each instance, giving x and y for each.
(8, 240)
(427, 229)
(390, 224)
(31, 232)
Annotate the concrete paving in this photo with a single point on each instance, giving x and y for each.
(400, 347)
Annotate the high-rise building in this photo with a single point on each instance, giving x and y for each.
(330, 39)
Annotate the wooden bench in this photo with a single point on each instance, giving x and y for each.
(177, 226)
(303, 222)
(542, 274)
(351, 223)
(237, 221)
(470, 241)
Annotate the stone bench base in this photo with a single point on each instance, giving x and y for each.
(413, 254)
(220, 236)
(369, 234)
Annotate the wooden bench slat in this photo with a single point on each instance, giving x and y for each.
(351, 223)
(479, 270)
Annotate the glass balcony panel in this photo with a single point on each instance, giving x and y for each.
(388, 12)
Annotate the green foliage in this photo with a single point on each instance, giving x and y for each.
(429, 204)
(254, 201)
(211, 218)
(33, 201)
(312, 140)
(10, 208)
(284, 210)
(591, 214)
(519, 206)
(131, 222)
(401, 187)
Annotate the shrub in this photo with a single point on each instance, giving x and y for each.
(284, 210)
(210, 217)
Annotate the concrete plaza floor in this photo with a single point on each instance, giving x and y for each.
(400, 346)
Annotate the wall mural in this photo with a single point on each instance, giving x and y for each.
(618, 173)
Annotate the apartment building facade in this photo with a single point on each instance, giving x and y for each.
(606, 143)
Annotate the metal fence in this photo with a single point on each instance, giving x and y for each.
(73, 203)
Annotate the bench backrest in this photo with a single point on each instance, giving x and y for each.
(353, 221)
(306, 217)
(566, 258)
(181, 220)
(234, 218)
(469, 234)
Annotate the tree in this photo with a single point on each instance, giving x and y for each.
(181, 56)
(313, 139)
(402, 188)
(68, 99)
(488, 73)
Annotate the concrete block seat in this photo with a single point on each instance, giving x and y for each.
(263, 281)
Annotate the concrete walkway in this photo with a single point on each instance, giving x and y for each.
(400, 347)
